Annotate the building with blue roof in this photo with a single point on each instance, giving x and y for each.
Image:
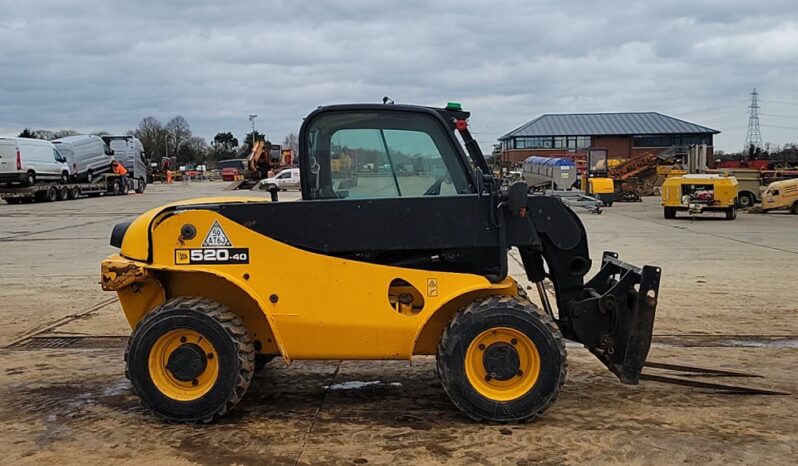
(624, 135)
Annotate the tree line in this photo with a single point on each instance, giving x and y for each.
(175, 139)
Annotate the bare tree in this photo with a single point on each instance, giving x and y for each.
(151, 133)
(178, 132)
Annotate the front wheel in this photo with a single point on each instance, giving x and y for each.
(140, 186)
(794, 208)
(731, 213)
(501, 360)
(745, 200)
(189, 360)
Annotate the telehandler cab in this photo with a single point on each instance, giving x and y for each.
(398, 248)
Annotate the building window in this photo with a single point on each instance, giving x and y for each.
(660, 140)
(667, 140)
(549, 142)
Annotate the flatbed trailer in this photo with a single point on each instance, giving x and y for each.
(104, 185)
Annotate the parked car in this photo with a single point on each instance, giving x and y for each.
(286, 179)
(28, 161)
(87, 156)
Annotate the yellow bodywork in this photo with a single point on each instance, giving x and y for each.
(724, 190)
(296, 303)
(781, 195)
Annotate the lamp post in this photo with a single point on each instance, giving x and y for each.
(252, 122)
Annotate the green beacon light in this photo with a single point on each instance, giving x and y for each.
(454, 106)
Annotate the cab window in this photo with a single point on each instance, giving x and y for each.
(283, 175)
(383, 154)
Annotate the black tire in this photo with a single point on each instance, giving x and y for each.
(222, 329)
(51, 195)
(669, 213)
(74, 193)
(62, 193)
(745, 200)
(477, 319)
(30, 179)
(794, 208)
(731, 213)
(261, 360)
(89, 176)
(64, 178)
(142, 185)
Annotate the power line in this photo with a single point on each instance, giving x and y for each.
(780, 116)
(778, 102)
(777, 126)
(753, 137)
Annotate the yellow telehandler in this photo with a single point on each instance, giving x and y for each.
(400, 251)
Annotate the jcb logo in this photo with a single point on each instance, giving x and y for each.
(182, 256)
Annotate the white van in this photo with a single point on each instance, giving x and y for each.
(285, 180)
(87, 156)
(28, 161)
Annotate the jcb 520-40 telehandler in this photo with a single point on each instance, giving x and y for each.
(398, 247)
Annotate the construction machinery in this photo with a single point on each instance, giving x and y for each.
(264, 161)
(403, 253)
(700, 193)
(596, 181)
(781, 195)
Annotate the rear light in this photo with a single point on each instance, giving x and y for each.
(19, 161)
(461, 125)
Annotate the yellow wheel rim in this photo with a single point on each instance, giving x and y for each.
(502, 364)
(183, 383)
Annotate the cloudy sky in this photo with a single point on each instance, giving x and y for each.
(104, 65)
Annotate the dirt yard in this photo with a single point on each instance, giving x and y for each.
(728, 300)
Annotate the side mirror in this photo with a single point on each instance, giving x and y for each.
(517, 198)
(109, 152)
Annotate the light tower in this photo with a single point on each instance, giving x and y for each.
(753, 137)
(252, 122)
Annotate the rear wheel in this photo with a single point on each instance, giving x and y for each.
(745, 200)
(731, 213)
(89, 176)
(141, 185)
(669, 213)
(30, 179)
(51, 194)
(190, 360)
(62, 193)
(501, 360)
(794, 208)
(64, 178)
(74, 193)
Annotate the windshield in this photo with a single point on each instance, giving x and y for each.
(377, 154)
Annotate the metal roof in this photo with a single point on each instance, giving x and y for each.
(605, 124)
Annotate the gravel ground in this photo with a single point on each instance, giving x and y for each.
(728, 301)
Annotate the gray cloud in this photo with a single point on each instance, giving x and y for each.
(106, 65)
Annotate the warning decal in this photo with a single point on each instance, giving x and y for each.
(216, 237)
(432, 287)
